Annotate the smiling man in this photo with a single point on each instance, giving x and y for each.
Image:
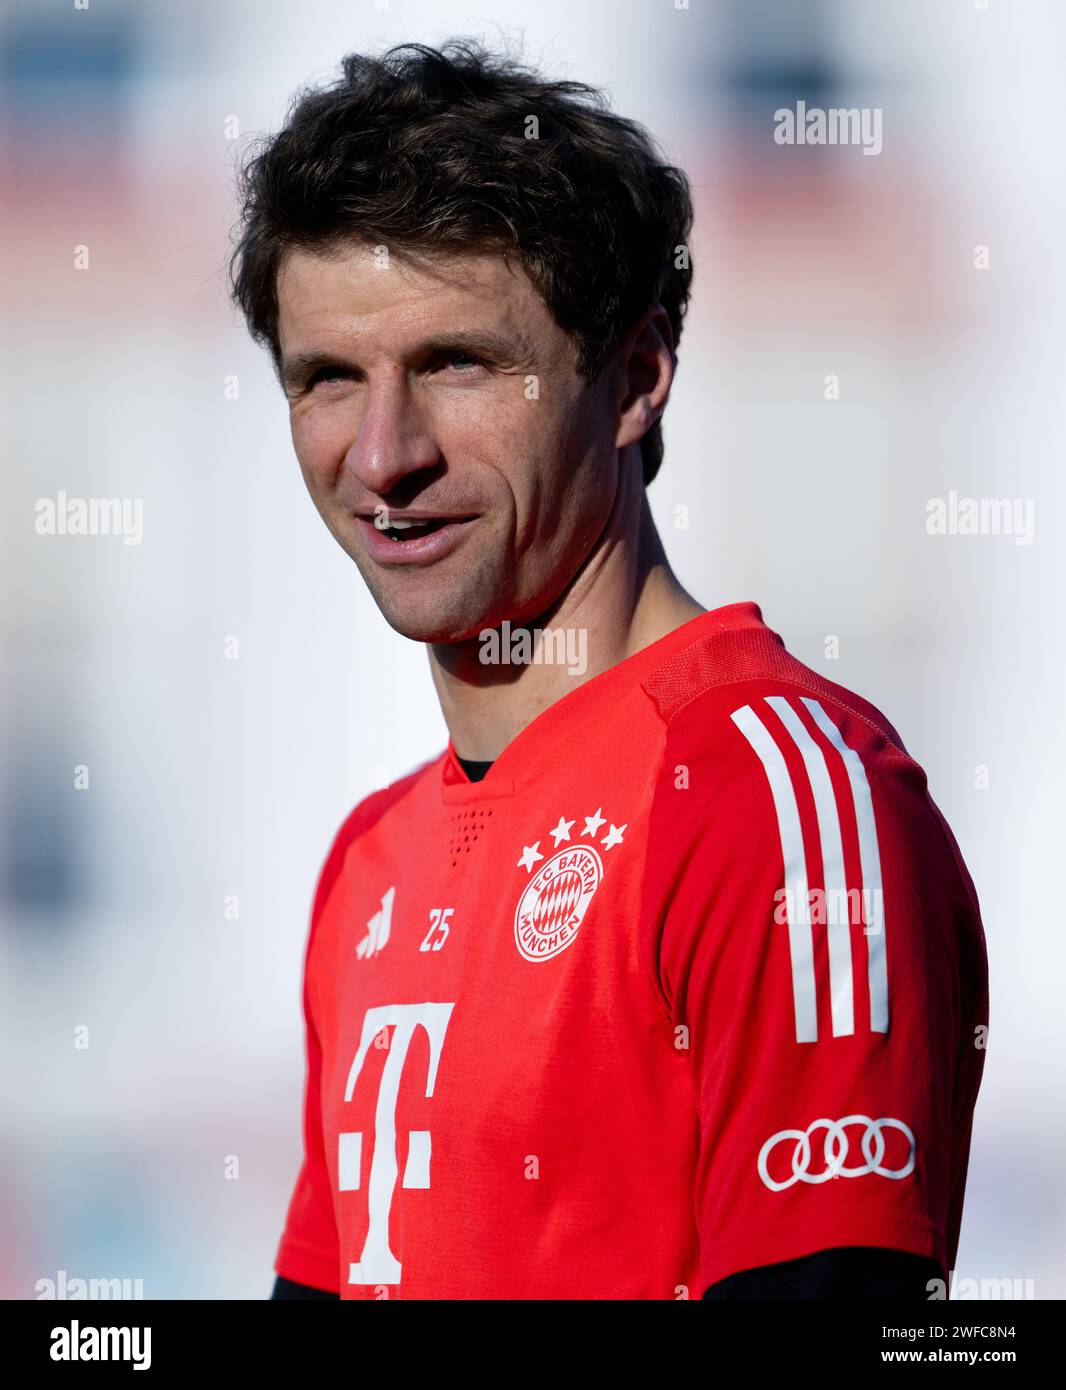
(666, 978)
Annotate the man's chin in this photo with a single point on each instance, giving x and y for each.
(436, 604)
(433, 621)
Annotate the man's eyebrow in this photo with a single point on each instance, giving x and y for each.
(295, 369)
(500, 347)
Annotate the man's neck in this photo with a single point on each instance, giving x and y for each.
(624, 598)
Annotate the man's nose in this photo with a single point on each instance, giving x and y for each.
(393, 438)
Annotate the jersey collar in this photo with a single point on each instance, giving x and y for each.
(585, 701)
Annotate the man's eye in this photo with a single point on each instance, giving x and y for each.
(327, 374)
(461, 361)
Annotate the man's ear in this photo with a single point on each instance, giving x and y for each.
(648, 364)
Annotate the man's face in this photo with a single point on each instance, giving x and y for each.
(445, 393)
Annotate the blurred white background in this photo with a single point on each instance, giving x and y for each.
(211, 777)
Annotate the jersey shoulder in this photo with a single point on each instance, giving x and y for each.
(760, 750)
(744, 660)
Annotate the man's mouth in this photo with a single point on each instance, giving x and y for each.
(417, 539)
(404, 529)
(401, 531)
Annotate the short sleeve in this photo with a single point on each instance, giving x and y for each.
(817, 944)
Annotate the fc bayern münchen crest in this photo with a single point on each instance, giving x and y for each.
(555, 899)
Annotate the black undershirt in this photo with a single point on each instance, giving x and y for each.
(474, 770)
(852, 1271)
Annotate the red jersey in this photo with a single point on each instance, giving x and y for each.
(693, 981)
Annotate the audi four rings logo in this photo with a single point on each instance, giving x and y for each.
(835, 1151)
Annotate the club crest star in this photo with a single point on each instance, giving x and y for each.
(561, 831)
(613, 837)
(530, 855)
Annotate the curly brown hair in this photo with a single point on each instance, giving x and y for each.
(460, 149)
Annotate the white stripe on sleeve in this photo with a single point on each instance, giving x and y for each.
(800, 938)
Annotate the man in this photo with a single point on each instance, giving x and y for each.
(665, 979)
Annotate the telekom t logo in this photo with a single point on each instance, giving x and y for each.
(377, 1264)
